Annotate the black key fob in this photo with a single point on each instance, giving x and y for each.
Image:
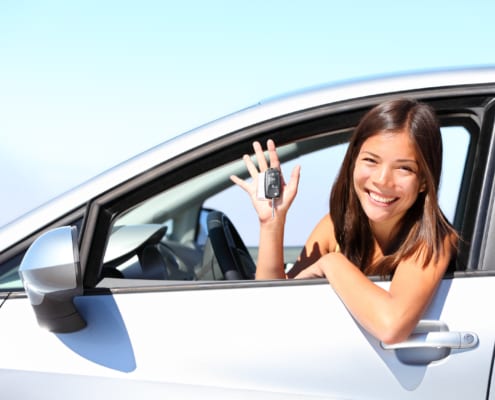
(272, 183)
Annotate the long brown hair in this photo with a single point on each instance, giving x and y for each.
(424, 227)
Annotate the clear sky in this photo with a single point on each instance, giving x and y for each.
(87, 84)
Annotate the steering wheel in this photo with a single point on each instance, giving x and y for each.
(230, 251)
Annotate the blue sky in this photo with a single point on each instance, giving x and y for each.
(87, 84)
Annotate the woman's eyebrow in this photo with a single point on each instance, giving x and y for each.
(409, 160)
(370, 153)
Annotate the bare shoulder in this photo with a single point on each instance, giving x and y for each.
(321, 241)
(324, 233)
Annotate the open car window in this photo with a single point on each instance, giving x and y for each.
(168, 232)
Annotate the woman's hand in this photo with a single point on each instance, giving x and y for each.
(263, 207)
(317, 269)
(313, 271)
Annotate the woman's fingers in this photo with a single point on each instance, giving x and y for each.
(272, 154)
(263, 166)
(290, 189)
(313, 271)
(260, 164)
(239, 182)
(294, 178)
(253, 171)
(260, 156)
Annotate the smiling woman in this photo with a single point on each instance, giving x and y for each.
(384, 219)
(403, 134)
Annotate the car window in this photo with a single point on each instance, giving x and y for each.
(171, 226)
(9, 277)
(456, 141)
(318, 172)
(176, 218)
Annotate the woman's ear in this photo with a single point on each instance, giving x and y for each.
(422, 187)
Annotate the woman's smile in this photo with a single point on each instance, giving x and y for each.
(381, 199)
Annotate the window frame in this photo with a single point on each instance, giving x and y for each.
(283, 130)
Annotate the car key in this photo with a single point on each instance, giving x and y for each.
(270, 186)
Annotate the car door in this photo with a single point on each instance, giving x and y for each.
(251, 340)
(260, 339)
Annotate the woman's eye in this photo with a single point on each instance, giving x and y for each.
(406, 168)
(369, 160)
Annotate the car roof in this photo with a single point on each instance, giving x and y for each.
(262, 111)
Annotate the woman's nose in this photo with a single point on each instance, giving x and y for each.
(383, 176)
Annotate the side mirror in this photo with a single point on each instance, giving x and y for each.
(51, 274)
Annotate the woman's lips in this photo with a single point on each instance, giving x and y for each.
(377, 198)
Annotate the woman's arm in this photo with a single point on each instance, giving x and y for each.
(390, 315)
(270, 263)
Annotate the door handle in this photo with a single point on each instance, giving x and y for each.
(452, 340)
(431, 341)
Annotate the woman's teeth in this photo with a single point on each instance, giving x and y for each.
(381, 199)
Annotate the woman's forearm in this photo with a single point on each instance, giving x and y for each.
(270, 263)
(389, 315)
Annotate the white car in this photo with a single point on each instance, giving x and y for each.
(137, 285)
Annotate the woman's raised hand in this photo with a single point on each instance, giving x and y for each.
(264, 207)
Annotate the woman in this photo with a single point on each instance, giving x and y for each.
(384, 219)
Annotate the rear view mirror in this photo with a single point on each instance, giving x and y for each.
(51, 275)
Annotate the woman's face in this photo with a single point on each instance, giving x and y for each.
(387, 178)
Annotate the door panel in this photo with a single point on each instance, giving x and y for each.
(291, 337)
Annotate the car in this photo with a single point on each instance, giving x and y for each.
(139, 283)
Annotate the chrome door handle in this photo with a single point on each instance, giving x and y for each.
(431, 341)
(452, 340)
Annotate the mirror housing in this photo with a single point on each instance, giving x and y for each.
(51, 274)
